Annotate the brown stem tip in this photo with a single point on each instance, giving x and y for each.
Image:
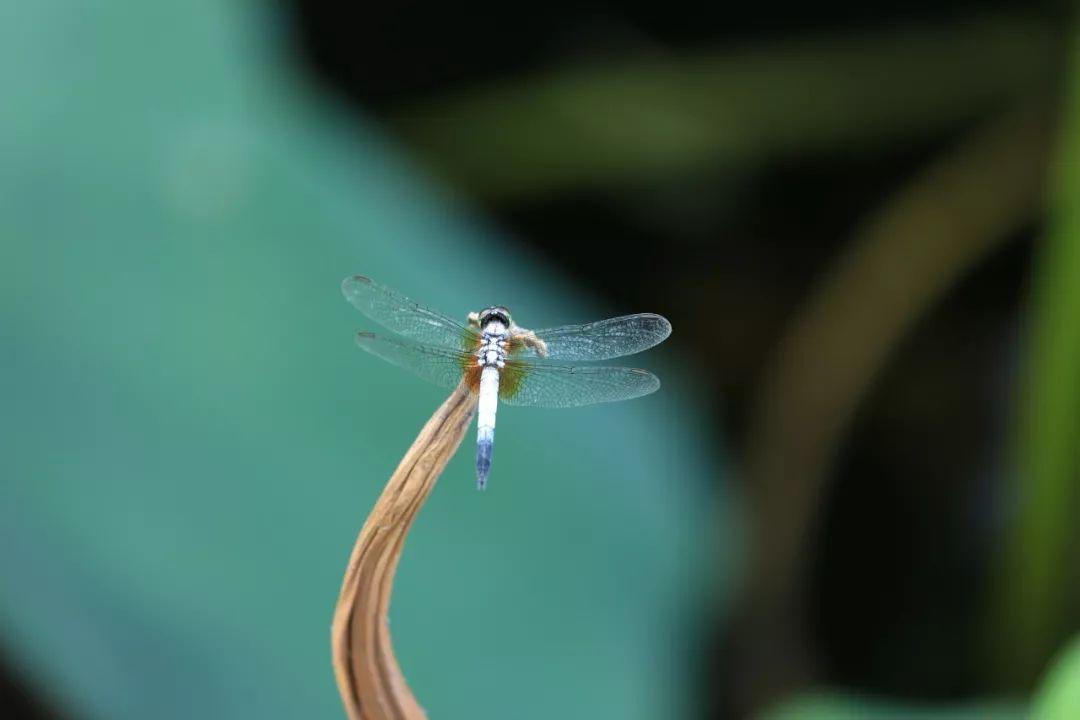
(368, 676)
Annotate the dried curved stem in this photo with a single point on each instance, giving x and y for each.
(368, 676)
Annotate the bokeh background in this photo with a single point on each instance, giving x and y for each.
(854, 497)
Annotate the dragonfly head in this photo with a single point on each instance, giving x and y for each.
(496, 313)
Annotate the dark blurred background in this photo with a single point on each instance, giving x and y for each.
(859, 219)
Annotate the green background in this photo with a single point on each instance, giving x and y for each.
(191, 440)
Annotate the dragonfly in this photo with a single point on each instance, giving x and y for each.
(501, 361)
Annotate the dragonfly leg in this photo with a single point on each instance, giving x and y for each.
(528, 339)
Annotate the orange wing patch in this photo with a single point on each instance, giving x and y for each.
(511, 377)
(472, 376)
(471, 342)
(514, 345)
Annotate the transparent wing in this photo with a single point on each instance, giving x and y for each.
(403, 316)
(557, 386)
(443, 366)
(604, 339)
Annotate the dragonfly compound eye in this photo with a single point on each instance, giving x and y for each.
(498, 314)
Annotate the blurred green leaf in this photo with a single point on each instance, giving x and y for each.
(1059, 696)
(851, 707)
(1036, 581)
(729, 108)
(191, 440)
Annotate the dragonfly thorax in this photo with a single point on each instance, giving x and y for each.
(492, 350)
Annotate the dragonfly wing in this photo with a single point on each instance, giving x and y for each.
(403, 316)
(604, 339)
(556, 386)
(443, 366)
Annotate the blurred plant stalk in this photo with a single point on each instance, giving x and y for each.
(733, 108)
(1035, 595)
(902, 261)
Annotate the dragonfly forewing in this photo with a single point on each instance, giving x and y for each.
(601, 340)
(403, 316)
